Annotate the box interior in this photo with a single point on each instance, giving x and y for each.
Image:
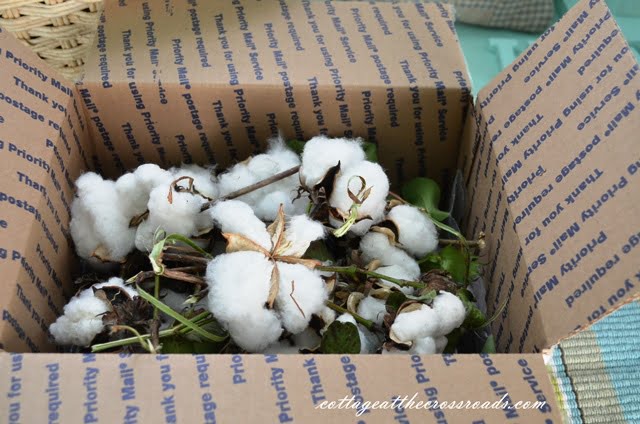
(524, 148)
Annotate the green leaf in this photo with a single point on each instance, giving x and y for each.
(454, 261)
(370, 151)
(475, 317)
(181, 345)
(395, 300)
(341, 337)
(425, 298)
(489, 345)
(424, 193)
(172, 238)
(296, 145)
(453, 340)
(173, 314)
(318, 250)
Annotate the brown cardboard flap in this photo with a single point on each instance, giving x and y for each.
(244, 70)
(42, 146)
(270, 389)
(561, 152)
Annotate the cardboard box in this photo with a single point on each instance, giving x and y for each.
(549, 153)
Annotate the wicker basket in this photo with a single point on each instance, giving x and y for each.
(59, 31)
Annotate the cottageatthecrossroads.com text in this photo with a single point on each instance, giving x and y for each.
(403, 403)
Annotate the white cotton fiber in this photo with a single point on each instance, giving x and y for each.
(450, 310)
(236, 217)
(322, 153)
(373, 207)
(82, 317)
(409, 326)
(239, 286)
(134, 187)
(265, 201)
(327, 315)
(300, 232)
(372, 309)
(307, 288)
(417, 233)
(423, 346)
(400, 273)
(181, 216)
(99, 224)
(267, 207)
(377, 246)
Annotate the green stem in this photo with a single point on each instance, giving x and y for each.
(353, 270)
(181, 329)
(156, 294)
(369, 324)
(137, 336)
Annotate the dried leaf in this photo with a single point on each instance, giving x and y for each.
(240, 243)
(293, 288)
(309, 263)
(102, 254)
(373, 265)
(409, 306)
(275, 286)
(183, 276)
(397, 340)
(137, 220)
(276, 228)
(357, 198)
(353, 300)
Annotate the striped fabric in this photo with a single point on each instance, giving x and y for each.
(519, 15)
(596, 373)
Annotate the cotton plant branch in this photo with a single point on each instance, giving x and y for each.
(353, 270)
(253, 187)
(370, 325)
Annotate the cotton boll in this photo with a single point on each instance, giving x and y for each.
(99, 224)
(327, 315)
(375, 203)
(115, 282)
(441, 343)
(237, 177)
(377, 246)
(268, 206)
(322, 153)
(134, 187)
(309, 295)
(344, 318)
(255, 331)
(450, 310)
(181, 216)
(82, 320)
(372, 309)
(239, 285)
(423, 346)
(236, 217)
(417, 233)
(416, 324)
(300, 232)
(203, 179)
(400, 273)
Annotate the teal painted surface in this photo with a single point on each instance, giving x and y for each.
(488, 51)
